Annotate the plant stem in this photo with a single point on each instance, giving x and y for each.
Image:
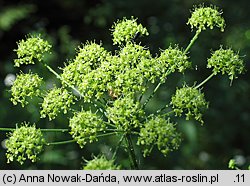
(203, 82)
(133, 161)
(186, 50)
(73, 140)
(192, 41)
(60, 78)
(160, 110)
(43, 130)
(118, 146)
(168, 113)
(152, 95)
(75, 89)
(61, 142)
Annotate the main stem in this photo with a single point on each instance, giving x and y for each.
(132, 157)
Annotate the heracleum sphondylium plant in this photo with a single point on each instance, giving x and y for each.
(114, 85)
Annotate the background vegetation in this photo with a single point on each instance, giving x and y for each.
(67, 23)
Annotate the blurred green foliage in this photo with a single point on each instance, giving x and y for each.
(66, 23)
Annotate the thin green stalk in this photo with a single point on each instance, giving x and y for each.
(60, 78)
(168, 113)
(54, 130)
(160, 110)
(118, 146)
(61, 142)
(7, 129)
(192, 41)
(131, 152)
(75, 89)
(73, 140)
(43, 130)
(152, 95)
(186, 50)
(206, 80)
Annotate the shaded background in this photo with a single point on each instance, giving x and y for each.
(67, 23)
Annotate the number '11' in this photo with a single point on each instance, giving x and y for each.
(240, 178)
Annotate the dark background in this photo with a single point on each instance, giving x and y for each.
(67, 23)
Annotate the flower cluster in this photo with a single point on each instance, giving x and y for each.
(161, 132)
(128, 76)
(85, 126)
(25, 85)
(31, 49)
(57, 100)
(24, 143)
(226, 61)
(101, 163)
(95, 71)
(126, 30)
(189, 101)
(88, 71)
(206, 17)
(173, 59)
(125, 113)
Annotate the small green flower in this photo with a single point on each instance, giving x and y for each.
(57, 100)
(232, 164)
(100, 163)
(226, 61)
(87, 71)
(189, 101)
(25, 85)
(31, 49)
(91, 54)
(125, 113)
(206, 17)
(125, 30)
(24, 143)
(173, 59)
(161, 132)
(85, 126)
(128, 69)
